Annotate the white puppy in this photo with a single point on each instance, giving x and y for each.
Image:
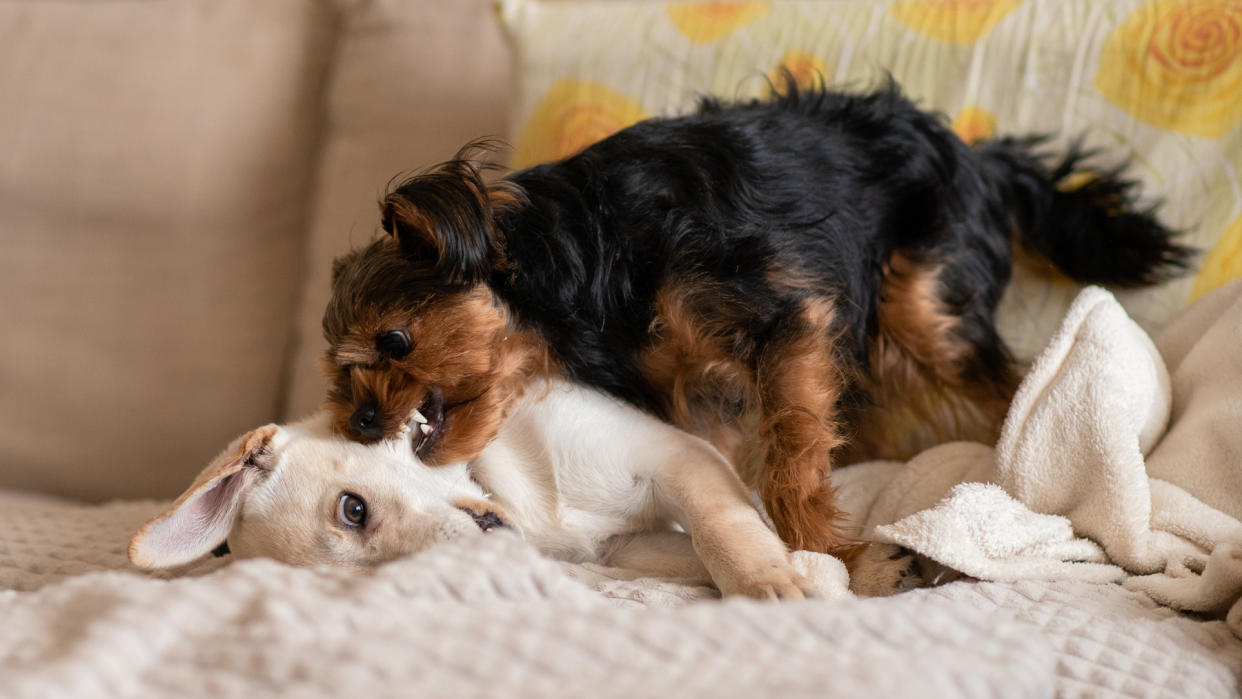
(576, 472)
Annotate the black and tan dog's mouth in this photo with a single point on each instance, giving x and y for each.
(432, 421)
(429, 421)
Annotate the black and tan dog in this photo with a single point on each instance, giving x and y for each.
(782, 277)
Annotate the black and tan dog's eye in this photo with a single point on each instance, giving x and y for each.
(394, 344)
(351, 510)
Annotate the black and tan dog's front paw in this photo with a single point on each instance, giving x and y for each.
(881, 570)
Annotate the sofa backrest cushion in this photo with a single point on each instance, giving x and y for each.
(157, 159)
(412, 82)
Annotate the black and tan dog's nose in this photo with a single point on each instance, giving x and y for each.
(365, 423)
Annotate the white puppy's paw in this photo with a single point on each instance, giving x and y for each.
(778, 580)
(885, 569)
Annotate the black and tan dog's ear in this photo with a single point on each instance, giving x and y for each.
(201, 519)
(340, 264)
(445, 219)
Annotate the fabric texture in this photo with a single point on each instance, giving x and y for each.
(1115, 462)
(493, 618)
(483, 617)
(156, 165)
(1155, 82)
(412, 82)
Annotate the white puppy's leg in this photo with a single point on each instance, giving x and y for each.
(742, 554)
(666, 554)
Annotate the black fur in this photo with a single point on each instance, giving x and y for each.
(448, 202)
(1090, 230)
(821, 184)
(815, 185)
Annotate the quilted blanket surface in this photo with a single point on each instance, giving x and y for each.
(497, 619)
(1118, 462)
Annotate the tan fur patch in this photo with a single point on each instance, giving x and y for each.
(780, 435)
(706, 387)
(461, 343)
(921, 395)
(799, 386)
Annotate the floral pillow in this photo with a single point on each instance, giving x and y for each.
(1158, 82)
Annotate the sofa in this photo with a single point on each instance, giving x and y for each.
(178, 175)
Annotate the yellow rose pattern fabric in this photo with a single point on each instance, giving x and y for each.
(572, 115)
(957, 21)
(1178, 65)
(1158, 82)
(1222, 263)
(974, 124)
(702, 22)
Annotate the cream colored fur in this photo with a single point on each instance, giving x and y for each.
(579, 474)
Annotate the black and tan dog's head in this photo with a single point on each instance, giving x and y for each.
(413, 329)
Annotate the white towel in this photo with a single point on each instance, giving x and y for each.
(1120, 459)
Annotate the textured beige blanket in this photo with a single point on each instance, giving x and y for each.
(1112, 437)
(496, 619)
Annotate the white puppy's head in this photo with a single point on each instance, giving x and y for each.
(300, 494)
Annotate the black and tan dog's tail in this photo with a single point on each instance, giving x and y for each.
(1086, 222)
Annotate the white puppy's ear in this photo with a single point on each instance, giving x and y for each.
(201, 519)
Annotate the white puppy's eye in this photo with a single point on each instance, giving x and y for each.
(351, 510)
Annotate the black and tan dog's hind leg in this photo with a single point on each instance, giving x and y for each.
(882, 569)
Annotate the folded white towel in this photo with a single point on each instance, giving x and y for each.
(1116, 450)
(982, 532)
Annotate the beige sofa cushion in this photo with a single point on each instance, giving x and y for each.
(413, 81)
(156, 160)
